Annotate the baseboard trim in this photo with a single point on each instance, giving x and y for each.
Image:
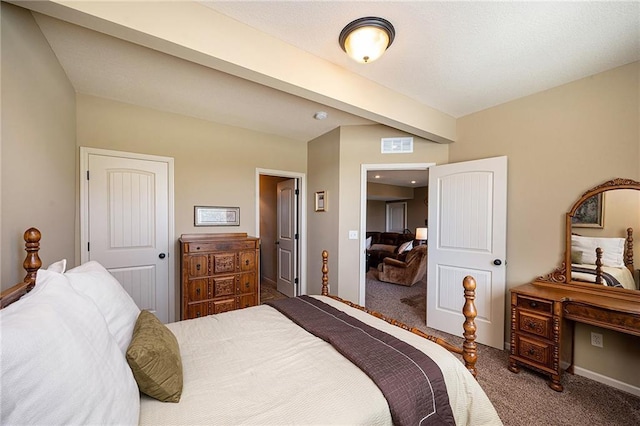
(596, 377)
(269, 281)
(626, 387)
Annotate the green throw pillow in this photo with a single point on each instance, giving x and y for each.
(154, 358)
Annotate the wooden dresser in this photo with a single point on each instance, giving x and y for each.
(219, 273)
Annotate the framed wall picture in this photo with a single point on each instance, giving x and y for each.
(216, 216)
(590, 214)
(321, 201)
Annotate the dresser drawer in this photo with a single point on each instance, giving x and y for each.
(224, 286)
(535, 324)
(220, 306)
(209, 246)
(198, 266)
(223, 263)
(537, 305)
(247, 260)
(246, 301)
(534, 350)
(198, 290)
(246, 283)
(197, 310)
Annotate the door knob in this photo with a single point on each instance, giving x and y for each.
(161, 255)
(497, 262)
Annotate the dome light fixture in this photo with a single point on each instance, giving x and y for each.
(366, 39)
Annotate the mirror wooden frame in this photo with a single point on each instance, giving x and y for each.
(562, 274)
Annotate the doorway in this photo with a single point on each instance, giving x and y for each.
(365, 170)
(280, 224)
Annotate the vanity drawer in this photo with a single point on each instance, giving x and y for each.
(532, 304)
(534, 350)
(535, 324)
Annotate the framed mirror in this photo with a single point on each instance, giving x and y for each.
(600, 251)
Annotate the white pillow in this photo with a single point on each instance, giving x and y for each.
(58, 266)
(405, 247)
(612, 250)
(60, 365)
(367, 242)
(113, 301)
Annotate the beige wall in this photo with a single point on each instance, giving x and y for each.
(215, 165)
(361, 145)
(417, 209)
(38, 146)
(322, 227)
(376, 215)
(560, 143)
(389, 192)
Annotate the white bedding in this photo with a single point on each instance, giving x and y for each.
(623, 275)
(255, 366)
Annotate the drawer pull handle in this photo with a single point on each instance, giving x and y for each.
(246, 285)
(198, 248)
(533, 304)
(197, 314)
(246, 262)
(531, 351)
(198, 266)
(198, 291)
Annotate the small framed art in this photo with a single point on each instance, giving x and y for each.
(590, 214)
(321, 201)
(216, 216)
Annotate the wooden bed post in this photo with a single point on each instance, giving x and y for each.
(598, 265)
(325, 272)
(469, 347)
(32, 262)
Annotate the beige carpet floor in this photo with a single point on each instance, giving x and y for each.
(520, 399)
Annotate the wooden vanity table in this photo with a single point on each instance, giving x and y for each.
(542, 311)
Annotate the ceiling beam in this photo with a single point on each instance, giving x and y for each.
(196, 33)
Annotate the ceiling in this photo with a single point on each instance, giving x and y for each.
(409, 178)
(456, 57)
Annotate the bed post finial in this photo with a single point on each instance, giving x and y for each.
(32, 262)
(325, 272)
(598, 265)
(469, 347)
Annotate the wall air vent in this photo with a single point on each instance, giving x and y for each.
(396, 145)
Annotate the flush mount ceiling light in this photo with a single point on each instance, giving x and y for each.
(366, 39)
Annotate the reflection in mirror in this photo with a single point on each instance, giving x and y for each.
(600, 227)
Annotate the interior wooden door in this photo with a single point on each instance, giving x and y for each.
(467, 236)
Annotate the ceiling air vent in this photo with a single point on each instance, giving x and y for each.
(396, 145)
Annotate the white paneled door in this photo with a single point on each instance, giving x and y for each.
(128, 225)
(396, 217)
(286, 242)
(467, 236)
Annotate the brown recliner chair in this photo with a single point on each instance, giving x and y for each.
(407, 272)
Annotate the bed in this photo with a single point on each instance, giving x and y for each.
(74, 352)
(603, 261)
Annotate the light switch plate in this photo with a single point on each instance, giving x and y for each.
(353, 235)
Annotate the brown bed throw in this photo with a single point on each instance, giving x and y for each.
(411, 382)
